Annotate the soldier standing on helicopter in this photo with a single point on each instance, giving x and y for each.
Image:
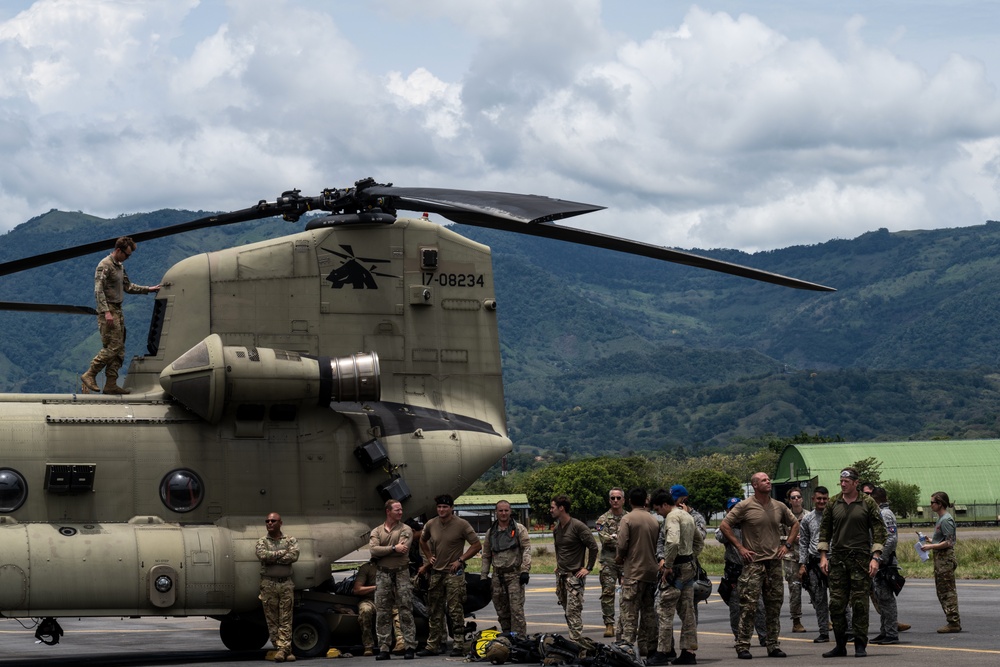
(110, 284)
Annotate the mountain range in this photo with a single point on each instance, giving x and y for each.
(612, 353)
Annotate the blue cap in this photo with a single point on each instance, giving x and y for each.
(678, 491)
(731, 503)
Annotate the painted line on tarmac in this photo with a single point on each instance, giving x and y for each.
(986, 651)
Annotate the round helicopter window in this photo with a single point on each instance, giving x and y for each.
(13, 490)
(181, 490)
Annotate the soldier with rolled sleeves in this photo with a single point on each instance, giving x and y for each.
(761, 549)
(389, 546)
(853, 532)
(637, 533)
(573, 543)
(111, 283)
(814, 581)
(276, 553)
(677, 553)
(507, 549)
(611, 573)
(443, 543)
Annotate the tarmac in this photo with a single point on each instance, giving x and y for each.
(195, 640)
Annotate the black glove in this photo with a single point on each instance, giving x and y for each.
(524, 578)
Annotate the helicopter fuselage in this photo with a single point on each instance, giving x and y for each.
(255, 397)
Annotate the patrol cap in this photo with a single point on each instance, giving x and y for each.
(731, 503)
(678, 491)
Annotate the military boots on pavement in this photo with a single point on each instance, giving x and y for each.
(840, 650)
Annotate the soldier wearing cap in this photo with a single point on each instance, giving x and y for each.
(853, 533)
(442, 542)
(680, 494)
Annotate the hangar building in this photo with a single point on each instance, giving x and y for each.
(967, 470)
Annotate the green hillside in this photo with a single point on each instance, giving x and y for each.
(605, 352)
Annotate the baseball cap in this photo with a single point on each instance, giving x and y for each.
(678, 491)
(731, 503)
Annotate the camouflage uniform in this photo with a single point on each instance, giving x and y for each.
(573, 543)
(851, 532)
(393, 589)
(790, 567)
(760, 525)
(733, 570)
(881, 589)
(446, 590)
(682, 542)
(508, 564)
(636, 555)
(367, 611)
(110, 284)
(277, 590)
(611, 574)
(945, 565)
(817, 582)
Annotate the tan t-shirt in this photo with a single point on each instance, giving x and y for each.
(761, 525)
(637, 535)
(448, 540)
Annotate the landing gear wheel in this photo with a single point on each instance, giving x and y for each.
(310, 635)
(238, 634)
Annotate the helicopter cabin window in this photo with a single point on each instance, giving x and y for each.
(181, 490)
(13, 490)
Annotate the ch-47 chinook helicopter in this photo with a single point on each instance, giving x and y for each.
(316, 374)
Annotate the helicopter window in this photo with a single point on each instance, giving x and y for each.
(13, 490)
(156, 327)
(181, 490)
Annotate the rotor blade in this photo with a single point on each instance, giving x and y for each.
(253, 213)
(597, 240)
(482, 204)
(47, 308)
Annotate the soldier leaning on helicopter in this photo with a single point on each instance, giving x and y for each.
(276, 553)
(110, 285)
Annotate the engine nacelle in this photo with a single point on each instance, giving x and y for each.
(210, 374)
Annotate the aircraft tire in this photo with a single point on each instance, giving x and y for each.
(310, 635)
(238, 634)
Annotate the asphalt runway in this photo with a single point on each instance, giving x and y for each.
(195, 640)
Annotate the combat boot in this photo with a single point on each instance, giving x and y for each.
(797, 625)
(111, 384)
(609, 630)
(840, 650)
(951, 627)
(89, 379)
(860, 646)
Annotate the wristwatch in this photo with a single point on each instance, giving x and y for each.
(788, 545)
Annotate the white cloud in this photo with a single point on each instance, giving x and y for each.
(698, 127)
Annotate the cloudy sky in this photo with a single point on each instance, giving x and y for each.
(697, 125)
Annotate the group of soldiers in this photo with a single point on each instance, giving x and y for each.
(842, 552)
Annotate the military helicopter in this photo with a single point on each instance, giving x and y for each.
(317, 374)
